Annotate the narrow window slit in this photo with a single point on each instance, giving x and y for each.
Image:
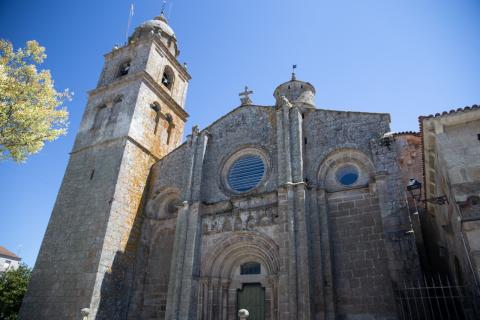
(156, 107)
(170, 127)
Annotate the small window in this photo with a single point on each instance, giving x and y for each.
(124, 69)
(170, 127)
(118, 99)
(246, 173)
(168, 78)
(347, 175)
(171, 207)
(250, 268)
(156, 107)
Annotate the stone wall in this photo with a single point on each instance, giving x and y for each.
(361, 278)
(66, 267)
(340, 248)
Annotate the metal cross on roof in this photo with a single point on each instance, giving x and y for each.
(245, 96)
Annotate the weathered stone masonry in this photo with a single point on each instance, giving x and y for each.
(88, 251)
(327, 250)
(288, 210)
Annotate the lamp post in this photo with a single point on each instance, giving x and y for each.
(414, 187)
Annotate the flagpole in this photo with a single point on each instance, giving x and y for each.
(130, 15)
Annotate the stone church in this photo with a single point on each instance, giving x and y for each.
(290, 211)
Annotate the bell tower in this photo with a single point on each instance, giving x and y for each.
(133, 118)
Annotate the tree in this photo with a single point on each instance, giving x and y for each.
(13, 285)
(31, 110)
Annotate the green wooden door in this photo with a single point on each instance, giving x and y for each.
(252, 298)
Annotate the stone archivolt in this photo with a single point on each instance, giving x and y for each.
(240, 247)
(220, 279)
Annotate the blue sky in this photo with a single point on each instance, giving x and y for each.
(407, 57)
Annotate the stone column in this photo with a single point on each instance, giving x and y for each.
(300, 213)
(183, 285)
(326, 255)
(287, 286)
(316, 252)
(292, 210)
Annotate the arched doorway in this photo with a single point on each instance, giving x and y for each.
(239, 272)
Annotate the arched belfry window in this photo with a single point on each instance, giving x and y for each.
(124, 69)
(168, 78)
(250, 268)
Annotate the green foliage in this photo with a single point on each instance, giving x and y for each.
(13, 285)
(31, 111)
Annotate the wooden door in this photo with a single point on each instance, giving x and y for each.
(252, 298)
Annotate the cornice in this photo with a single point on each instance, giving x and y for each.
(154, 85)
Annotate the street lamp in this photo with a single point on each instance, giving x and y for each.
(414, 187)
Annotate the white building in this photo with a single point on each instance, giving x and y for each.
(8, 260)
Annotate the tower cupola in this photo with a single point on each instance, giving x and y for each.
(297, 92)
(158, 26)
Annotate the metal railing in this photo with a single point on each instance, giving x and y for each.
(436, 298)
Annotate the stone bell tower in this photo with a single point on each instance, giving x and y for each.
(133, 118)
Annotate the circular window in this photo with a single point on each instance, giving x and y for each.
(246, 173)
(347, 175)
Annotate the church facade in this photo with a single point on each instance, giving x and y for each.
(289, 211)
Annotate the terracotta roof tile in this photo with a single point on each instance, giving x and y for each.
(467, 108)
(8, 253)
(402, 133)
